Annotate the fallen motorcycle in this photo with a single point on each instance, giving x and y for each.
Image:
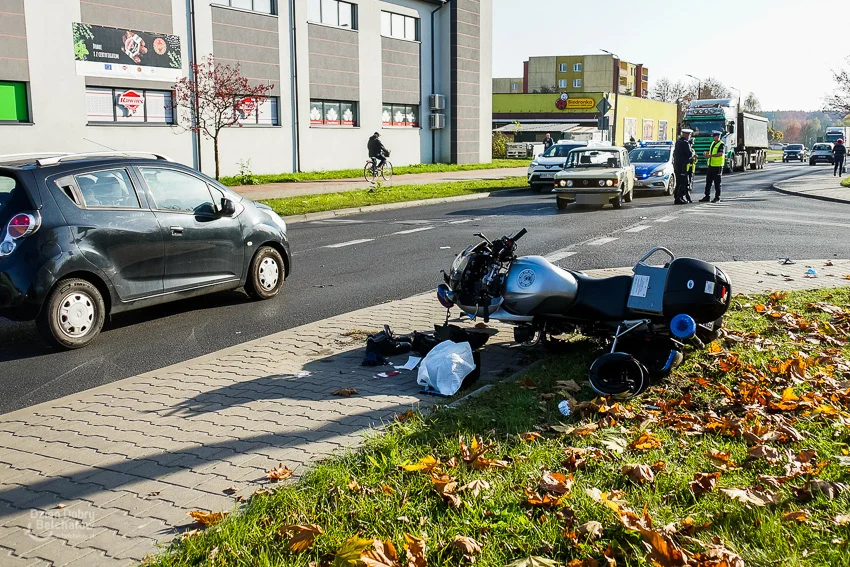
(644, 319)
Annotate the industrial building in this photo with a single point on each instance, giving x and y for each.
(89, 75)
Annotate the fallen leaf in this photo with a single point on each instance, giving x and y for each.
(482, 463)
(841, 519)
(353, 486)
(816, 487)
(568, 385)
(801, 516)
(770, 454)
(384, 555)
(534, 561)
(585, 429)
(406, 416)
(645, 442)
(640, 473)
(154, 493)
(751, 496)
(545, 501)
(207, 518)
(722, 460)
(415, 551)
(425, 464)
(591, 530)
(387, 489)
(615, 444)
(280, 473)
(556, 482)
(346, 392)
(301, 537)
(466, 544)
(475, 487)
(527, 384)
(349, 554)
(704, 482)
(231, 490)
(60, 506)
(531, 436)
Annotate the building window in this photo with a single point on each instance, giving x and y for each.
(332, 13)
(577, 68)
(263, 6)
(129, 106)
(399, 27)
(14, 105)
(562, 67)
(515, 87)
(263, 114)
(576, 83)
(663, 132)
(562, 83)
(333, 113)
(405, 116)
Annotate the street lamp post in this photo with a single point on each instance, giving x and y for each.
(739, 96)
(699, 84)
(616, 98)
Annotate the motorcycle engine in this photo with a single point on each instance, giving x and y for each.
(476, 291)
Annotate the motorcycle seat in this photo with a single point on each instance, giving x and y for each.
(603, 299)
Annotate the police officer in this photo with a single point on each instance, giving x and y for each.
(682, 154)
(692, 169)
(716, 156)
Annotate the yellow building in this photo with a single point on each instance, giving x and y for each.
(563, 114)
(577, 74)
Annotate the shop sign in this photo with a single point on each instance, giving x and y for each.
(246, 106)
(102, 51)
(131, 100)
(564, 102)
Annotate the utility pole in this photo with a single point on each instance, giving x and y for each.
(616, 97)
(699, 85)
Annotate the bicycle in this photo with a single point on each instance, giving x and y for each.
(371, 172)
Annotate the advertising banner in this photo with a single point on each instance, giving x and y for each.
(101, 51)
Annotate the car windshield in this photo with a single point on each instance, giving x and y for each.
(794, 147)
(593, 158)
(822, 147)
(9, 191)
(704, 127)
(645, 155)
(560, 150)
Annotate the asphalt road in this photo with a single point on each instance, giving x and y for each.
(400, 253)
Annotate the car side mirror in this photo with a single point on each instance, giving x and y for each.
(228, 209)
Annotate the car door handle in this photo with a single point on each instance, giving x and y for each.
(176, 231)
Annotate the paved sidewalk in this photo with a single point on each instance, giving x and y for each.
(278, 190)
(824, 188)
(100, 477)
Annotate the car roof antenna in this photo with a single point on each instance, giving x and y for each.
(105, 146)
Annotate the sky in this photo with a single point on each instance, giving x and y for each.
(783, 52)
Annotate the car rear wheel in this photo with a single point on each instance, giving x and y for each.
(266, 274)
(73, 314)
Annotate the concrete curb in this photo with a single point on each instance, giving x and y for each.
(776, 187)
(324, 215)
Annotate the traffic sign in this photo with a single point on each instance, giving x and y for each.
(603, 106)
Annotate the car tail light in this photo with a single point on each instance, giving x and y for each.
(22, 225)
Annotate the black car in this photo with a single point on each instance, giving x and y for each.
(87, 235)
(796, 152)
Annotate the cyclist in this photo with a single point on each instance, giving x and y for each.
(377, 152)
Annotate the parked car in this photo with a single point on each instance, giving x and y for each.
(776, 146)
(653, 163)
(794, 152)
(543, 168)
(821, 152)
(88, 235)
(595, 176)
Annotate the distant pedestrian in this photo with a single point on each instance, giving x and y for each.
(682, 154)
(716, 156)
(548, 142)
(839, 154)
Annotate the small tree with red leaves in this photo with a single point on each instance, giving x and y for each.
(214, 97)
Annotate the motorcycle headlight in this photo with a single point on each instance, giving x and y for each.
(569, 183)
(609, 183)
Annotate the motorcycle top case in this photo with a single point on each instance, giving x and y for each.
(696, 288)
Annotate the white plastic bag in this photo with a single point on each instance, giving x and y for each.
(444, 368)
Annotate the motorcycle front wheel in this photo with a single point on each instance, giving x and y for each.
(619, 375)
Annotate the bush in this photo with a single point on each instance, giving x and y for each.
(500, 145)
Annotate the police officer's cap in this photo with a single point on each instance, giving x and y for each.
(717, 133)
(687, 131)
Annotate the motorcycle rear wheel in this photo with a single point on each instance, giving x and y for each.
(619, 375)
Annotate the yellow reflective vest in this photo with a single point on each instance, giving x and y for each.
(716, 161)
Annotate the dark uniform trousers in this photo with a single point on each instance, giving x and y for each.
(682, 184)
(713, 175)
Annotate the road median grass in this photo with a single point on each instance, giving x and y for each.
(251, 179)
(388, 194)
(738, 458)
(774, 155)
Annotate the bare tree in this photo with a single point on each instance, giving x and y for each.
(751, 104)
(713, 88)
(666, 90)
(214, 97)
(839, 100)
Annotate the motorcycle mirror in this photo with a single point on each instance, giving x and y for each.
(481, 236)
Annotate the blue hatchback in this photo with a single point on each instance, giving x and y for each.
(654, 167)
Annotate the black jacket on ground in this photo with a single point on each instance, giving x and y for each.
(376, 148)
(682, 154)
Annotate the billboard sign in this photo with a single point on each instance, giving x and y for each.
(101, 51)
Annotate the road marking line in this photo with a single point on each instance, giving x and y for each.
(768, 218)
(558, 256)
(350, 243)
(412, 230)
(602, 241)
(637, 228)
(461, 221)
(666, 219)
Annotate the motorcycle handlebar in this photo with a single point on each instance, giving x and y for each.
(519, 234)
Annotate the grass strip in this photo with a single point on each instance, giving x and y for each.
(388, 194)
(741, 454)
(358, 173)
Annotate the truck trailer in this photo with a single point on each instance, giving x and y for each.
(744, 134)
